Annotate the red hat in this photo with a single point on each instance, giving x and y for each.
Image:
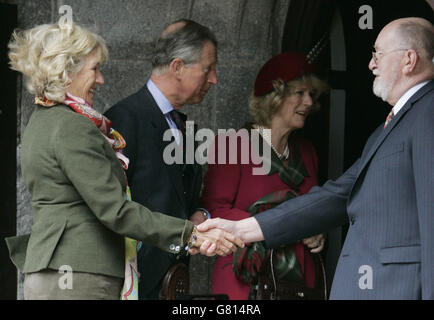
(285, 66)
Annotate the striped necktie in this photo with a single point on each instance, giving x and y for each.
(389, 118)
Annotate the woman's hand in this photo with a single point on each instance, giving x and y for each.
(316, 243)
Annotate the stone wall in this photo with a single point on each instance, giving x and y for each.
(249, 33)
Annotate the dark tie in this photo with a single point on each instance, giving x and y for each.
(178, 120)
(180, 123)
(389, 118)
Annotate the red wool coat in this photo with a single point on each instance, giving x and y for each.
(229, 189)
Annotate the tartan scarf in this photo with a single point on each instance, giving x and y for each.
(294, 174)
(117, 142)
(248, 261)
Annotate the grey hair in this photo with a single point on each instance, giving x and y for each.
(418, 37)
(185, 42)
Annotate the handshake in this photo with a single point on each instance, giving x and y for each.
(216, 236)
(223, 237)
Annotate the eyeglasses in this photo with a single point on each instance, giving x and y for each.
(377, 54)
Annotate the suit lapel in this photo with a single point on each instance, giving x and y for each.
(396, 119)
(159, 124)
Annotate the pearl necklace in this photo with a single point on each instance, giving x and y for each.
(267, 138)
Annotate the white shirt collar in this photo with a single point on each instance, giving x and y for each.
(406, 96)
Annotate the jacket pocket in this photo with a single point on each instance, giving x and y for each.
(391, 157)
(406, 254)
(42, 244)
(17, 247)
(390, 150)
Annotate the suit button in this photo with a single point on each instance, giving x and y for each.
(352, 220)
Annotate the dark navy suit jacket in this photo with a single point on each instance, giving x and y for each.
(169, 189)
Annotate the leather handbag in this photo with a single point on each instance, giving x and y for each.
(176, 283)
(269, 288)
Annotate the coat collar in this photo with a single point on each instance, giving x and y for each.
(396, 119)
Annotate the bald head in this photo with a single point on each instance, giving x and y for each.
(172, 28)
(404, 52)
(413, 33)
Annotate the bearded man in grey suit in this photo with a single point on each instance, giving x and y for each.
(387, 195)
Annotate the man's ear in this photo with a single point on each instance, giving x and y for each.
(410, 60)
(176, 67)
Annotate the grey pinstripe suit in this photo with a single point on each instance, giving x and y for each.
(388, 198)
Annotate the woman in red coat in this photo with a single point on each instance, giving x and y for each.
(284, 95)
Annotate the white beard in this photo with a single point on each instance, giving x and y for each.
(381, 90)
(382, 87)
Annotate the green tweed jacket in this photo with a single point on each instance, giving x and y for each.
(80, 214)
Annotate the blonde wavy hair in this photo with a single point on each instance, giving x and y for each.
(263, 108)
(49, 54)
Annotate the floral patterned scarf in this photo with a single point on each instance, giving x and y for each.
(117, 142)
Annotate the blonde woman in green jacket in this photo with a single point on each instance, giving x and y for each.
(73, 166)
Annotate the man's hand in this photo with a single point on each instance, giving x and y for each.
(316, 243)
(216, 241)
(227, 225)
(247, 230)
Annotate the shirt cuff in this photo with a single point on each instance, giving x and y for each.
(207, 214)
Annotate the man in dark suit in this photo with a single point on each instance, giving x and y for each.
(183, 64)
(387, 195)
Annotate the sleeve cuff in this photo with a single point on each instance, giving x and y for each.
(207, 214)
